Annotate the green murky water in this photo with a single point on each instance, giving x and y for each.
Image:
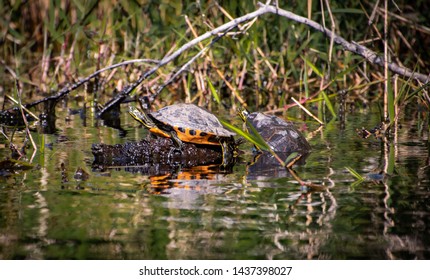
(204, 214)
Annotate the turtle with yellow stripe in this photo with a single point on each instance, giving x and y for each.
(188, 123)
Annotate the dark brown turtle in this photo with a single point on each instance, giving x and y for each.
(281, 136)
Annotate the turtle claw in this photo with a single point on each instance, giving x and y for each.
(171, 154)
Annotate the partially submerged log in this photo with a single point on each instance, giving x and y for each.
(13, 117)
(155, 151)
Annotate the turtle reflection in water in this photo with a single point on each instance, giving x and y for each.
(281, 136)
(188, 123)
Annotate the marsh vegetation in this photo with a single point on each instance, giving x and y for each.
(351, 75)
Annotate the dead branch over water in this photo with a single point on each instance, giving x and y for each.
(70, 88)
(222, 30)
(354, 47)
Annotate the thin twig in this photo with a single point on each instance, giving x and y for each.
(19, 104)
(410, 23)
(183, 68)
(386, 83)
(214, 32)
(307, 111)
(267, 62)
(219, 73)
(27, 129)
(372, 16)
(333, 26)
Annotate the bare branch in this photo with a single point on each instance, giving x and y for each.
(221, 29)
(66, 90)
(368, 54)
(354, 47)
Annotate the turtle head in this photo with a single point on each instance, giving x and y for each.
(141, 117)
(243, 113)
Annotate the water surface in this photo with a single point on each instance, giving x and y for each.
(202, 213)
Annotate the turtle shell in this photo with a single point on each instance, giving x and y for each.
(282, 136)
(191, 123)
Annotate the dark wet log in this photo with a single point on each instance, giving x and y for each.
(155, 151)
(13, 117)
(9, 167)
(48, 118)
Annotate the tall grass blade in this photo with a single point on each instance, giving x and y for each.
(312, 66)
(391, 160)
(213, 91)
(329, 104)
(390, 101)
(255, 139)
(291, 157)
(355, 174)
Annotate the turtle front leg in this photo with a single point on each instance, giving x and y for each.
(227, 153)
(178, 143)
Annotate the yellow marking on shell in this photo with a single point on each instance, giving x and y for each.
(198, 137)
(159, 132)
